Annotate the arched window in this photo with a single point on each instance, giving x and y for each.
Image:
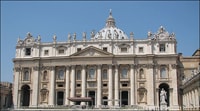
(105, 76)
(163, 73)
(45, 75)
(26, 76)
(141, 74)
(91, 73)
(60, 74)
(124, 73)
(78, 76)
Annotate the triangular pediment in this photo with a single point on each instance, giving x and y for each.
(92, 51)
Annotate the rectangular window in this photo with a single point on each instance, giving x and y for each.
(124, 49)
(46, 52)
(124, 85)
(104, 85)
(140, 49)
(60, 85)
(61, 51)
(78, 85)
(105, 49)
(28, 52)
(162, 47)
(78, 49)
(91, 74)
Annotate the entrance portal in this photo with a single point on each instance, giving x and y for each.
(60, 96)
(25, 95)
(124, 98)
(166, 88)
(92, 95)
(105, 100)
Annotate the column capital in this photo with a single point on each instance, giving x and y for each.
(51, 68)
(73, 66)
(99, 65)
(110, 65)
(18, 69)
(173, 66)
(83, 66)
(36, 68)
(132, 65)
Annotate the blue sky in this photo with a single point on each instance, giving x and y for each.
(47, 18)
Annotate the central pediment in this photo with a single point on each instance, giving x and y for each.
(92, 51)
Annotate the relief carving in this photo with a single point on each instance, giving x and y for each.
(17, 69)
(173, 66)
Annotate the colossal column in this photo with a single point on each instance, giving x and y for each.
(116, 86)
(150, 86)
(132, 85)
(174, 86)
(83, 88)
(35, 87)
(110, 86)
(72, 93)
(16, 87)
(99, 86)
(52, 86)
(67, 86)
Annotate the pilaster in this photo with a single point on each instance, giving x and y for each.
(67, 86)
(132, 78)
(52, 87)
(99, 98)
(35, 87)
(110, 86)
(72, 93)
(150, 86)
(116, 86)
(16, 87)
(83, 88)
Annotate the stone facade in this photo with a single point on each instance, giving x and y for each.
(112, 68)
(190, 81)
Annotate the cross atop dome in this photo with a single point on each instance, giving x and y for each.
(110, 21)
(110, 12)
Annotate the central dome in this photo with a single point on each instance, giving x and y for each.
(110, 31)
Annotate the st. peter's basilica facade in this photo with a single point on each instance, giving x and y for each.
(112, 68)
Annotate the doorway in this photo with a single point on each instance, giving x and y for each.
(25, 95)
(92, 95)
(124, 98)
(60, 98)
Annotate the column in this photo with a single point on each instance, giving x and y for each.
(52, 87)
(83, 87)
(187, 94)
(174, 86)
(110, 86)
(116, 86)
(183, 100)
(99, 98)
(72, 93)
(193, 98)
(67, 86)
(150, 86)
(190, 95)
(196, 97)
(16, 96)
(35, 91)
(132, 78)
